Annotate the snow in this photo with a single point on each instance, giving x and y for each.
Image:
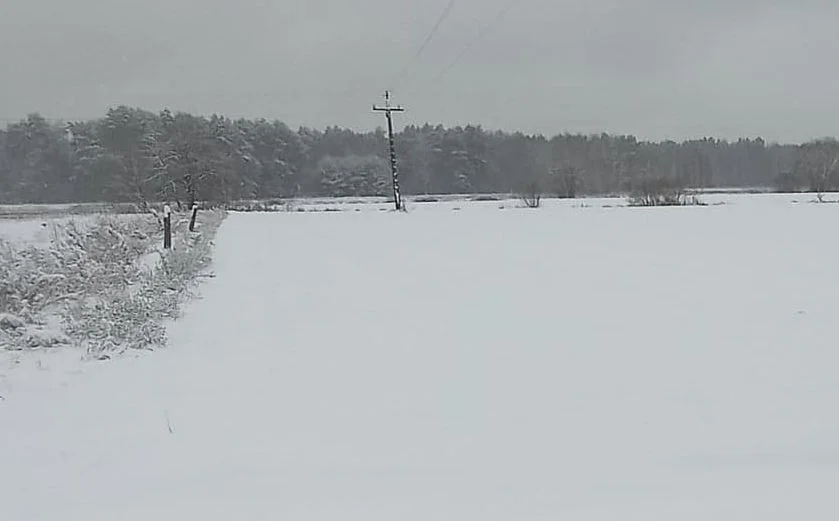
(25, 231)
(36, 231)
(570, 362)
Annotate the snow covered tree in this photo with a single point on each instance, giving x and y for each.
(37, 162)
(354, 176)
(818, 163)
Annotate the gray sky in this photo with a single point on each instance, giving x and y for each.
(653, 68)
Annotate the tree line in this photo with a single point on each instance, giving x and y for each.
(133, 155)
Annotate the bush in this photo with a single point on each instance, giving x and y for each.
(79, 260)
(531, 196)
(273, 205)
(37, 283)
(132, 316)
(94, 281)
(660, 191)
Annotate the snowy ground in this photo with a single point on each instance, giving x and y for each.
(564, 363)
(35, 231)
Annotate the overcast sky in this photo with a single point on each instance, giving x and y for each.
(653, 68)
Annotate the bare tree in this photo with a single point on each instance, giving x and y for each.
(565, 181)
(531, 196)
(818, 162)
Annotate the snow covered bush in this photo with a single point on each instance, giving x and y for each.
(272, 205)
(661, 191)
(531, 196)
(91, 288)
(131, 316)
(77, 261)
(36, 283)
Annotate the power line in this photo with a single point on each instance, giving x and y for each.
(442, 18)
(482, 31)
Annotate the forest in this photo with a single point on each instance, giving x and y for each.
(134, 155)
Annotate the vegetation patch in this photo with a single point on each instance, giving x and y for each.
(107, 286)
(661, 191)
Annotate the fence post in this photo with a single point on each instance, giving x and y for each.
(167, 227)
(194, 215)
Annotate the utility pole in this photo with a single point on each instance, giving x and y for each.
(388, 109)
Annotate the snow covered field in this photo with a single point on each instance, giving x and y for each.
(580, 363)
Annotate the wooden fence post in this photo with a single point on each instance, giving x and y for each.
(192, 219)
(167, 227)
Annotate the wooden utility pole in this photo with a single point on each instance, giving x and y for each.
(388, 109)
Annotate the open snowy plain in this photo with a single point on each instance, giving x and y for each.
(463, 362)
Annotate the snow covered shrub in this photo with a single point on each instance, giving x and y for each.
(30, 279)
(12, 329)
(661, 191)
(8, 321)
(103, 254)
(41, 338)
(191, 253)
(92, 281)
(81, 261)
(249, 206)
(116, 320)
(531, 196)
(132, 315)
(273, 205)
